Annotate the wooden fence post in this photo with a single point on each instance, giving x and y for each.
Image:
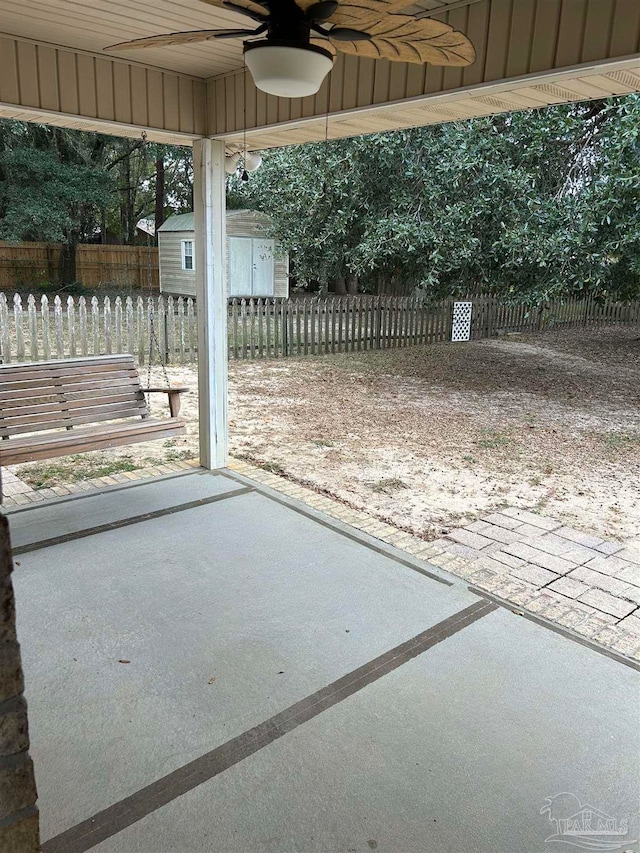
(5, 338)
(170, 328)
(290, 337)
(243, 317)
(277, 326)
(107, 325)
(128, 321)
(82, 323)
(17, 318)
(33, 328)
(377, 311)
(191, 322)
(95, 325)
(71, 326)
(118, 321)
(45, 319)
(57, 322)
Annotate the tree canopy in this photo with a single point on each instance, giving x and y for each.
(70, 187)
(527, 205)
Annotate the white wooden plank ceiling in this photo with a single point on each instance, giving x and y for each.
(95, 24)
(529, 53)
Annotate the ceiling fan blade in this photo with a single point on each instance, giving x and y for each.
(243, 7)
(325, 45)
(347, 34)
(360, 13)
(234, 34)
(250, 13)
(401, 38)
(321, 11)
(165, 40)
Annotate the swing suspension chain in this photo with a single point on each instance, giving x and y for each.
(154, 343)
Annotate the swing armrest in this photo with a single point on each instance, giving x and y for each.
(174, 397)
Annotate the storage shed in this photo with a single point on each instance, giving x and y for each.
(255, 265)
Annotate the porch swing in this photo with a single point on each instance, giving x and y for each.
(55, 408)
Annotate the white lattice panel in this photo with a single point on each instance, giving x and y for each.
(461, 327)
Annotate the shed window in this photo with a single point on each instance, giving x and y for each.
(188, 261)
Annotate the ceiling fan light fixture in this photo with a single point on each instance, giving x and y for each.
(231, 163)
(287, 71)
(252, 161)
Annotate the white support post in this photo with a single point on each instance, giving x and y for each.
(211, 298)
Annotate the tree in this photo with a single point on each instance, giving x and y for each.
(527, 205)
(50, 189)
(153, 181)
(68, 187)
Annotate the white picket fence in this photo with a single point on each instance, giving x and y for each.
(79, 327)
(271, 327)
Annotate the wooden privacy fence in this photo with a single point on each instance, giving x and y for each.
(24, 265)
(268, 327)
(490, 317)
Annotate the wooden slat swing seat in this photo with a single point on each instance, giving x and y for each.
(54, 408)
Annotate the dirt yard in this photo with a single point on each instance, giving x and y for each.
(431, 437)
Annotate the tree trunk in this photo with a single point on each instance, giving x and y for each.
(340, 286)
(67, 264)
(352, 285)
(159, 214)
(131, 206)
(51, 275)
(123, 202)
(127, 204)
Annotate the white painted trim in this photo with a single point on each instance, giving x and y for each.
(211, 297)
(183, 254)
(18, 112)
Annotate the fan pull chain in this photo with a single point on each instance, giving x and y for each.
(326, 134)
(244, 177)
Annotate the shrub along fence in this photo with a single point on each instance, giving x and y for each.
(43, 329)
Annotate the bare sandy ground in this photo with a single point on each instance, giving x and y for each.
(432, 437)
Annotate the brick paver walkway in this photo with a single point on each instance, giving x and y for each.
(530, 561)
(13, 486)
(565, 575)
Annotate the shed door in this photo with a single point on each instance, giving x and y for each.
(263, 270)
(240, 266)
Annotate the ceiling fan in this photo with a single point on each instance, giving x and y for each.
(302, 36)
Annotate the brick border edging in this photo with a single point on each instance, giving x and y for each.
(513, 591)
(35, 496)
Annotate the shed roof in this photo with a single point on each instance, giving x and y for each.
(180, 222)
(186, 221)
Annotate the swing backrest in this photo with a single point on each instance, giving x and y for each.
(51, 395)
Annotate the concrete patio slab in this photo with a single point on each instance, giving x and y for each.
(457, 750)
(227, 613)
(200, 630)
